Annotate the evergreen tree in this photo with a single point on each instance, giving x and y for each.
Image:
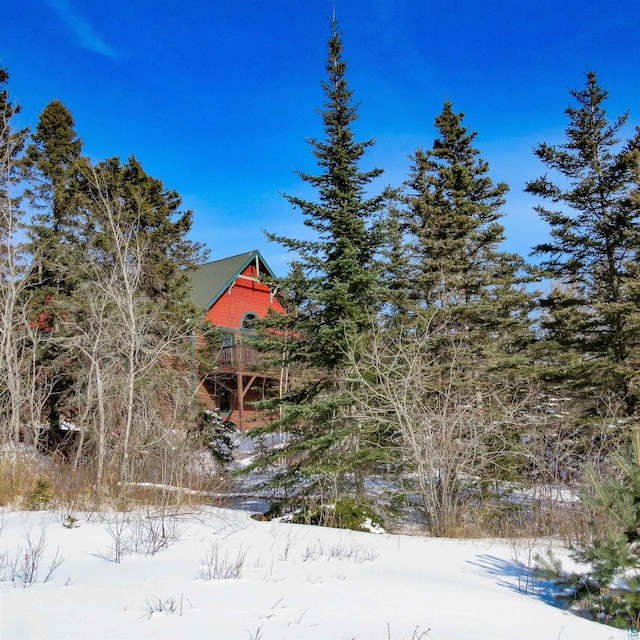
(453, 235)
(11, 148)
(590, 320)
(152, 214)
(334, 283)
(594, 244)
(53, 160)
(338, 265)
(462, 309)
(609, 590)
(11, 141)
(396, 280)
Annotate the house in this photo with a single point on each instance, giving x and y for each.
(233, 293)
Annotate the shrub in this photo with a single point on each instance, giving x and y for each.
(609, 590)
(218, 565)
(41, 495)
(347, 512)
(218, 436)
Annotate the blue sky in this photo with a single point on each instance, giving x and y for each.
(218, 97)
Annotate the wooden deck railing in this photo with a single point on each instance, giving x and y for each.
(239, 355)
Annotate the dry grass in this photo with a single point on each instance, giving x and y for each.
(19, 472)
(568, 520)
(28, 481)
(32, 481)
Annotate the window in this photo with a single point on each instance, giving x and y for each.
(227, 340)
(247, 321)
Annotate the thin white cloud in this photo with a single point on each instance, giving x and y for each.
(83, 31)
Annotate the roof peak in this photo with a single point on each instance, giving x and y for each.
(211, 279)
(236, 255)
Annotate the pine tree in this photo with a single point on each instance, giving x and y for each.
(338, 265)
(609, 590)
(463, 322)
(334, 283)
(54, 160)
(396, 273)
(451, 224)
(591, 330)
(11, 141)
(151, 213)
(593, 218)
(11, 148)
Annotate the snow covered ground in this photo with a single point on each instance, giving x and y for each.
(294, 581)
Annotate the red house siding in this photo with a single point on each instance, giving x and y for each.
(244, 296)
(238, 376)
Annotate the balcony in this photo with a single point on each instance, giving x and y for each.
(244, 356)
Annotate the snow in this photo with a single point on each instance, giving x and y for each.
(296, 582)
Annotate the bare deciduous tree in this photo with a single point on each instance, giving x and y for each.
(21, 382)
(448, 420)
(125, 346)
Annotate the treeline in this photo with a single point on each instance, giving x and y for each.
(423, 367)
(95, 354)
(421, 351)
(415, 349)
(432, 370)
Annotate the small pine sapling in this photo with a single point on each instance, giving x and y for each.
(610, 590)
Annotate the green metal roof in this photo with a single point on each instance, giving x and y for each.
(209, 281)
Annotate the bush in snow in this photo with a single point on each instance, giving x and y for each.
(219, 565)
(347, 512)
(218, 436)
(41, 495)
(609, 590)
(26, 565)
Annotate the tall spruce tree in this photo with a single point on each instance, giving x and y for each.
(592, 334)
(462, 315)
(592, 254)
(338, 265)
(334, 282)
(53, 158)
(53, 161)
(450, 221)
